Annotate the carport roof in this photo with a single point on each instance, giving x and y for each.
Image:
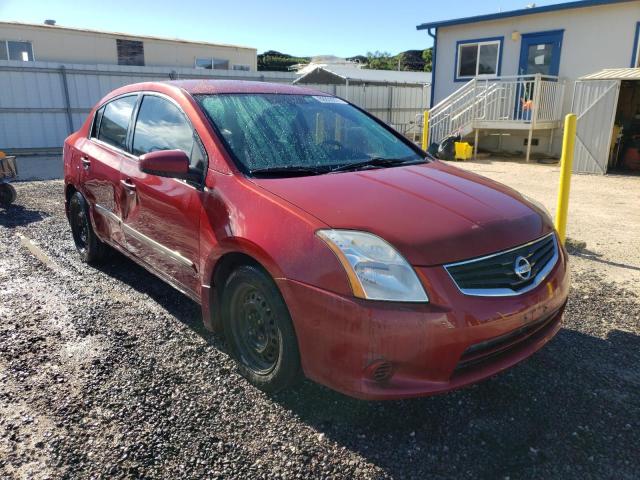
(366, 75)
(614, 74)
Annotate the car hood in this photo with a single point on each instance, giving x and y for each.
(432, 213)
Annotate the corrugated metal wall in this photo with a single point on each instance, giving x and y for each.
(401, 106)
(42, 102)
(595, 103)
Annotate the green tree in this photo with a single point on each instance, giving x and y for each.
(381, 61)
(277, 61)
(427, 56)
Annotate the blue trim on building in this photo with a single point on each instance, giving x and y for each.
(476, 40)
(434, 63)
(634, 53)
(518, 13)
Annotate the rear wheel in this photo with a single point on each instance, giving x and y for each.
(259, 330)
(90, 248)
(7, 194)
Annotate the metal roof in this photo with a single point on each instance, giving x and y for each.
(518, 13)
(119, 34)
(614, 74)
(372, 76)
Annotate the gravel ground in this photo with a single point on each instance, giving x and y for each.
(603, 212)
(108, 373)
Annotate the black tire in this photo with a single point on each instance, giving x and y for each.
(89, 246)
(259, 331)
(7, 194)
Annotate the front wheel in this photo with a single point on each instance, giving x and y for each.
(7, 194)
(259, 330)
(90, 248)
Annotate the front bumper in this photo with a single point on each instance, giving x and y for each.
(452, 341)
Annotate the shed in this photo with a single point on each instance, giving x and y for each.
(339, 75)
(607, 103)
(396, 97)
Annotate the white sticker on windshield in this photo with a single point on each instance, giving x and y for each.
(324, 99)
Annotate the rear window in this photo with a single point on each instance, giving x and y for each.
(115, 121)
(286, 131)
(95, 128)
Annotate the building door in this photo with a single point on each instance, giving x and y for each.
(540, 53)
(595, 103)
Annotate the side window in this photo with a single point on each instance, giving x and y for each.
(162, 126)
(115, 121)
(96, 123)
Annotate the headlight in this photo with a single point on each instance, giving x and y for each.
(375, 269)
(536, 203)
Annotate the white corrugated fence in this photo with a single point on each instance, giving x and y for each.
(41, 103)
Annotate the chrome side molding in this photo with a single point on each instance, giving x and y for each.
(141, 237)
(158, 247)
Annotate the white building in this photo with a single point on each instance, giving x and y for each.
(509, 78)
(52, 43)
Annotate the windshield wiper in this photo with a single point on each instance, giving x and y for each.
(377, 162)
(293, 170)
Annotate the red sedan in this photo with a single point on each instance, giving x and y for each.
(319, 240)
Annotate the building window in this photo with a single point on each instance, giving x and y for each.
(204, 63)
(16, 50)
(130, 52)
(244, 68)
(635, 60)
(478, 57)
(212, 64)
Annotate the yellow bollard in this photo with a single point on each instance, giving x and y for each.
(425, 131)
(566, 165)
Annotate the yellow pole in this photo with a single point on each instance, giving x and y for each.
(425, 131)
(566, 164)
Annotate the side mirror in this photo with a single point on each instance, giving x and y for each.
(167, 163)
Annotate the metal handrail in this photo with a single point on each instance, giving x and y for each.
(524, 99)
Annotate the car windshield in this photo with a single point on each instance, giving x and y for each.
(302, 134)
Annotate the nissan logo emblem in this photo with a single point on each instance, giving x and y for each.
(522, 268)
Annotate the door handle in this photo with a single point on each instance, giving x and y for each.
(86, 163)
(128, 185)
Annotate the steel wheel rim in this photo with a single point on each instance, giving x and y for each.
(79, 227)
(254, 329)
(6, 193)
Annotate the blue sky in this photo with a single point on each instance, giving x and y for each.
(338, 27)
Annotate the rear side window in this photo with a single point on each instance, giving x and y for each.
(161, 125)
(115, 121)
(95, 128)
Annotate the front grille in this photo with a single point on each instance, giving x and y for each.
(495, 275)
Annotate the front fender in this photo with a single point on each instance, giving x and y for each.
(241, 217)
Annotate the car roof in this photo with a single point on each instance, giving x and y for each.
(212, 87)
